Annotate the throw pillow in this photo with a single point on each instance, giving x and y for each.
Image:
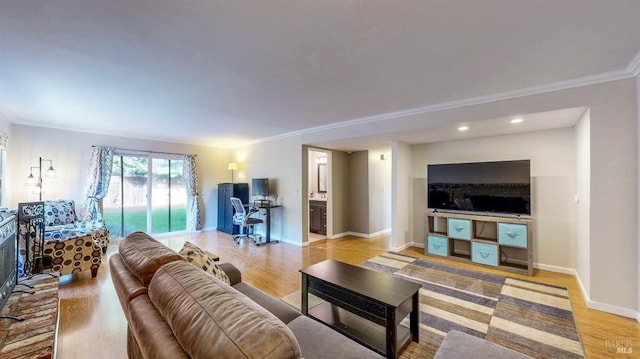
(203, 260)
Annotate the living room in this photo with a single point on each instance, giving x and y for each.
(584, 169)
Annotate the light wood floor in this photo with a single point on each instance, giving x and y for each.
(92, 325)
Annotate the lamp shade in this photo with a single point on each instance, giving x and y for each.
(31, 181)
(232, 166)
(51, 172)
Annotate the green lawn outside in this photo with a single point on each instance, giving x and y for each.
(136, 220)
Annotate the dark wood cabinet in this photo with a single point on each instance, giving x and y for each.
(225, 209)
(318, 217)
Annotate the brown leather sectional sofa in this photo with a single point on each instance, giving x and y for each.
(176, 310)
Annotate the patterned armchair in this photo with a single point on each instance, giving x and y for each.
(74, 253)
(61, 222)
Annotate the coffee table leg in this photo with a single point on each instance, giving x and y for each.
(413, 318)
(392, 333)
(305, 295)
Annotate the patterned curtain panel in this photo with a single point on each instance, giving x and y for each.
(190, 174)
(97, 182)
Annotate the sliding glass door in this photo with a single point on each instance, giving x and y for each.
(146, 193)
(169, 197)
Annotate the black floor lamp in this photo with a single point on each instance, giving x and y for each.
(37, 182)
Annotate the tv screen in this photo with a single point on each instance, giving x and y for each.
(497, 187)
(260, 187)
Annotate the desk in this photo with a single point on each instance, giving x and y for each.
(267, 206)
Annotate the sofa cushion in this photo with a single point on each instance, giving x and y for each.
(59, 212)
(152, 334)
(319, 341)
(127, 286)
(280, 309)
(143, 255)
(203, 260)
(211, 319)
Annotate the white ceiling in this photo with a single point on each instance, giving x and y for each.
(225, 73)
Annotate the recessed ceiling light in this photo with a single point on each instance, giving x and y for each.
(516, 120)
(463, 128)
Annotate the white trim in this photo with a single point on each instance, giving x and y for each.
(613, 309)
(556, 269)
(585, 295)
(501, 96)
(406, 246)
(608, 308)
(361, 235)
(379, 233)
(634, 65)
(338, 235)
(357, 234)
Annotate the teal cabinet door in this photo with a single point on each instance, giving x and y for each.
(459, 228)
(512, 234)
(438, 245)
(484, 253)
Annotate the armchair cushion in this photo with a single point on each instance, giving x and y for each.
(61, 212)
(61, 222)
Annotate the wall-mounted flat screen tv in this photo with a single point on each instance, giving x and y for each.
(496, 187)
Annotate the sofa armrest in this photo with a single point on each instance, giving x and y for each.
(232, 272)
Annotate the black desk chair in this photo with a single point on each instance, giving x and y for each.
(243, 218)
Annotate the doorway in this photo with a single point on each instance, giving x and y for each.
(319, 194)
(146, 193)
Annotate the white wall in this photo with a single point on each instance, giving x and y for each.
(583, 204)
(552, 155)
(379, 190)
(614, 194)
(70, 152)
(281, 162)
(5, 129)
(5, 125)
(401, 203)
(613, 225)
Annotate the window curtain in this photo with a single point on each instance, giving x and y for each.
(97, 181)
(190, 175)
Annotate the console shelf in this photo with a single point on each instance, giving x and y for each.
(500, 242)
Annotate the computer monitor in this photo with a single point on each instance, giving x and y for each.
(260, 187)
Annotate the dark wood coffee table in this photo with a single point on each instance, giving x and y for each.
(363, 304)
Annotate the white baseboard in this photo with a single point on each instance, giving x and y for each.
(613, 309)
(556, 269)
(607, 308)
(408, 245)
(338, 235)
(361, 235)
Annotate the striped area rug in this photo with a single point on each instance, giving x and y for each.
(532, 318)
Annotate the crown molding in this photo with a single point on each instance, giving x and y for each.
(529, 91)
(634, 65)
(631, 71)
